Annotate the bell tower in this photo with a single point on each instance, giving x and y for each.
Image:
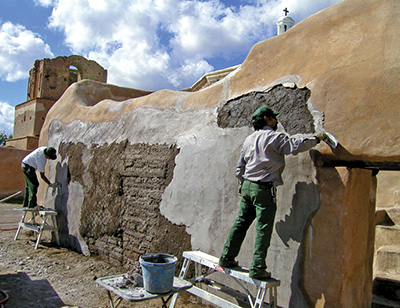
(284, 23)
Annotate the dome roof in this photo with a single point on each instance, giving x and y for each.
(286, 19)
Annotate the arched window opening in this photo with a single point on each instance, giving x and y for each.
(74, 74)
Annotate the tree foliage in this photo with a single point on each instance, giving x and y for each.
(3, 137)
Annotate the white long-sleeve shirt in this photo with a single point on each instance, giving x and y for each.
(262, 156)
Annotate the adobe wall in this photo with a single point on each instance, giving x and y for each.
(119, 212)
(200, 202)
(10, 180)
(318, 74)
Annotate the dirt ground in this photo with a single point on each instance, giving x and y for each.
(53, 277)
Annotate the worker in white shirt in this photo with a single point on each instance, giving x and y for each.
(36, 160)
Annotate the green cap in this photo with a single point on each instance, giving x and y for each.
(264, 111)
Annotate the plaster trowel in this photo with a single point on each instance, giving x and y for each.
(331, 140)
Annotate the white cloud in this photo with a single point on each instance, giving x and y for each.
(45, 3)
(6, 118)
(157, 44)
(19, 48)
(189, 70)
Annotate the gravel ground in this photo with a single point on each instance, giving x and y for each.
(52, 277)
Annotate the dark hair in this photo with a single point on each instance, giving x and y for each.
(259, 123)
(51, 153)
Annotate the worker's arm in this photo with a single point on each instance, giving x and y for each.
(44, 178)
(294, 144)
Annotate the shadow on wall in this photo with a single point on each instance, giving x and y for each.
(320, 240)
(305, 201)
(304, 204)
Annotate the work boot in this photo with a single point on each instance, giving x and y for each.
(228, 263)
(260, 275)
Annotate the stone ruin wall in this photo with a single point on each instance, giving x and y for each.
(49, 78)
(29, 117)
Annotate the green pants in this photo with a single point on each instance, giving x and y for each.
(31, 185)
(258, 201)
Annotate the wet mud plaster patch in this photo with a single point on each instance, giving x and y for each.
(291, 103)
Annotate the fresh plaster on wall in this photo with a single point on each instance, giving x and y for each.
(68, 200)
(202, 194)
(202, 145)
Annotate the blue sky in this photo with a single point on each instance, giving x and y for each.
(143, 44)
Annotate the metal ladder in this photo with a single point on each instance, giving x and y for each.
(240, 275)
(38, 227)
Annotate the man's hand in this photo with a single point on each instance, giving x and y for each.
(320, 135)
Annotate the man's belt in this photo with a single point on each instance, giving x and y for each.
(264, 184)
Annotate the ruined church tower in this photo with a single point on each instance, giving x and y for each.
(48, 79)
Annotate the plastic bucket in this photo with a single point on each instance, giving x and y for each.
(158, 272)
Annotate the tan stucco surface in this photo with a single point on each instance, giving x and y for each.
(388, 192)
(348, 55)
(341, 243)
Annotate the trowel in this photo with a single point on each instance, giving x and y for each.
(331, 140)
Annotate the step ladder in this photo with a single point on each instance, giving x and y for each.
(38, 222)
(206, 264)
